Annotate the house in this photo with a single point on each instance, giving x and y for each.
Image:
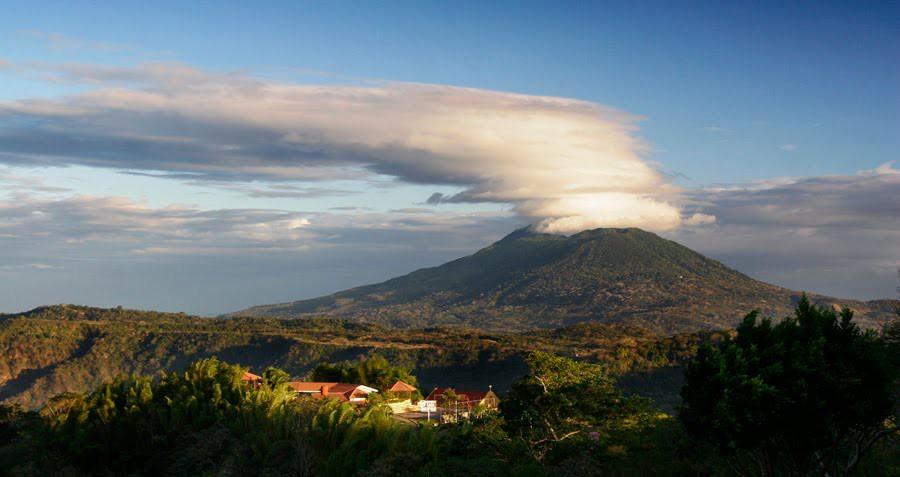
(402, 389)
(455, 404)
(402, 398)
(467, 398)
(353, 393)
(252, 379)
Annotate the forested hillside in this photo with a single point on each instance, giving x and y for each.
(63, 348)
(810, 395)
(532, 280)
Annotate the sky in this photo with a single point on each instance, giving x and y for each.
(209, 156)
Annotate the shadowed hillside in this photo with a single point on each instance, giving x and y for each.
(55, 349)
(531, 280)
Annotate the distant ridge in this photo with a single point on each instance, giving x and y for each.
(535, 280)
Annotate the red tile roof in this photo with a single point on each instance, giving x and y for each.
(401, 387)
(341, 391)
(248, 376)
(309, 386)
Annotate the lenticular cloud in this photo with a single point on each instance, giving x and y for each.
(565, 164)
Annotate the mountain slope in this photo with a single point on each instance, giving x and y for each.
(533, 280)
(69, 348)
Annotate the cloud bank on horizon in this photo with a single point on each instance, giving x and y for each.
(836, 234)
(567, 165)
(562, 164)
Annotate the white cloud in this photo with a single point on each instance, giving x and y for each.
(13, 183)
(700, 219)
(788, 147)
(564, 163)
(120, 227)
(887, 169)
(831, 234)
(110, 250)
(29, 266)
(836, 235)
(602, 209)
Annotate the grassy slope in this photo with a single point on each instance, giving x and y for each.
(530, 280)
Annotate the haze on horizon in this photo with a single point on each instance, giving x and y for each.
(213, 157)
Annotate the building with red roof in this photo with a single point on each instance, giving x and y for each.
(401, 387)
(353, 393)
(252, 379)
(468, 398)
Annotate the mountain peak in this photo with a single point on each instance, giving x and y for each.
(532, 231)
(531, 279)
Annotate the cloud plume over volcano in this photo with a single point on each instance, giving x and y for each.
(565, 164)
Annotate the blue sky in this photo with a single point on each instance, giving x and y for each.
(819, 75)
(761, 100)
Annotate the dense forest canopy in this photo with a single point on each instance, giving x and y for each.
(809, 395)
(55, 349)
(120, 392)
(563, 418)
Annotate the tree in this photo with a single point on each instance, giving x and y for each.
(810, 395)
(562, 401)
(179, 424)
(374, 371)
(378, 372)
(450, 396)
(275, 377)
(327, 373)
(206, 421)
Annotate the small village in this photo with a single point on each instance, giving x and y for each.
(442, 405)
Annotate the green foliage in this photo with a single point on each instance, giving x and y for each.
(809, 395)
(202, 420)
(564, 418)
(375, 371)
(275, 377)
(327, 372)
(64, 348)
(564, 409)
(205, 421)
(450, 396)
